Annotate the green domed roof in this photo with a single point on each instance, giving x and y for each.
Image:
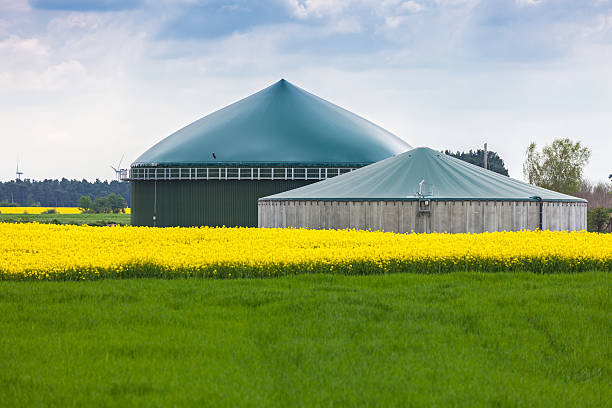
(443, 177)
(282, 124)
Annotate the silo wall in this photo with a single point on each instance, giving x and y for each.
(451, 216)
(202, 202)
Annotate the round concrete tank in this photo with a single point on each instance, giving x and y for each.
(423, 191)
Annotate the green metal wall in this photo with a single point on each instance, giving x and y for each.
(204, 202)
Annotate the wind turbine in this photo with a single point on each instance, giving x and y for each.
(18, 173)
(118, 169)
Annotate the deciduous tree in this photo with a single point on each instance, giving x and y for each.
(85, 204)
(557, 167)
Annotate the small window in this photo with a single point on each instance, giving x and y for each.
(424, 205)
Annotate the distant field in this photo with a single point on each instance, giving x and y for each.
(461, 339)
(94, 219)
(39, 210)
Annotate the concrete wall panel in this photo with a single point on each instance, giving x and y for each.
(313, 215)
(533, 216)
(291, 213)
(458, 216)
(390, 216)
(357, 212)
(280, 214)
(474, 215)
(489, 216)
(422, 223)
(262, 219)
(373, 215)
(520, 216)
(403, 216)
(300, 215)
(326, 215)
(506, 216)
(441, 216)
(548, 213)
(340, 215)
(408, 214)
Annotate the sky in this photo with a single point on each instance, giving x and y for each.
(83, 83)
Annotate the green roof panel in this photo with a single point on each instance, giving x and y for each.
(278, 125)
(422, 170)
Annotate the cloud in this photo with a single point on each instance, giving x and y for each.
(26, 45)
(450, 74)
(85, 5)
(411, 6)
(14, 5)
(307, 9)
(528, 2)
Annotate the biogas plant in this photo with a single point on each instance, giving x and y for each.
(285, 158)
(213, 171)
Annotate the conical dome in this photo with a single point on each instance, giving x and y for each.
(281, 124)
(422, 170)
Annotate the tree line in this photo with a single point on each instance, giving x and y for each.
(58, 193)
(494, 162)
(112, 203)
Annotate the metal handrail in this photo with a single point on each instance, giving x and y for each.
(232, 173)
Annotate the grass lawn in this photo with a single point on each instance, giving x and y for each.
(461, 339)
(95, 219)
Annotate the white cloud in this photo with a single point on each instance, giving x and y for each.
(16, 44)
(394, 21)
(348, 25)
(528, 2)
(14, 6)
(305, 9)
(600, 30)
(76, 20)
(411, 6)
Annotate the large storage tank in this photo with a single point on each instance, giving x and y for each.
(213, 171)
(423, 191)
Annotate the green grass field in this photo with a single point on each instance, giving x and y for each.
(93, 219)
(462, 339)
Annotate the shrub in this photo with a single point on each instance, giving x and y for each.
(85, 204)
(598, 219)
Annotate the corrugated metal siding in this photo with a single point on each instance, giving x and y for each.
(213, 203)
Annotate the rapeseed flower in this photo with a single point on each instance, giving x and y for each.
(62, 252)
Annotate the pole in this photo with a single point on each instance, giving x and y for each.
(155, 201)
(486, 157)
(539, 200)
(541, 208)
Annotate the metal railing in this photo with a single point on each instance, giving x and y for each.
(232, 173)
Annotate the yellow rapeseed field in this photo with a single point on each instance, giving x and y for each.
(43, 251)
(40, 210)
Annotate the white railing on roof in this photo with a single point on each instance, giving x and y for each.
(233, 173)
